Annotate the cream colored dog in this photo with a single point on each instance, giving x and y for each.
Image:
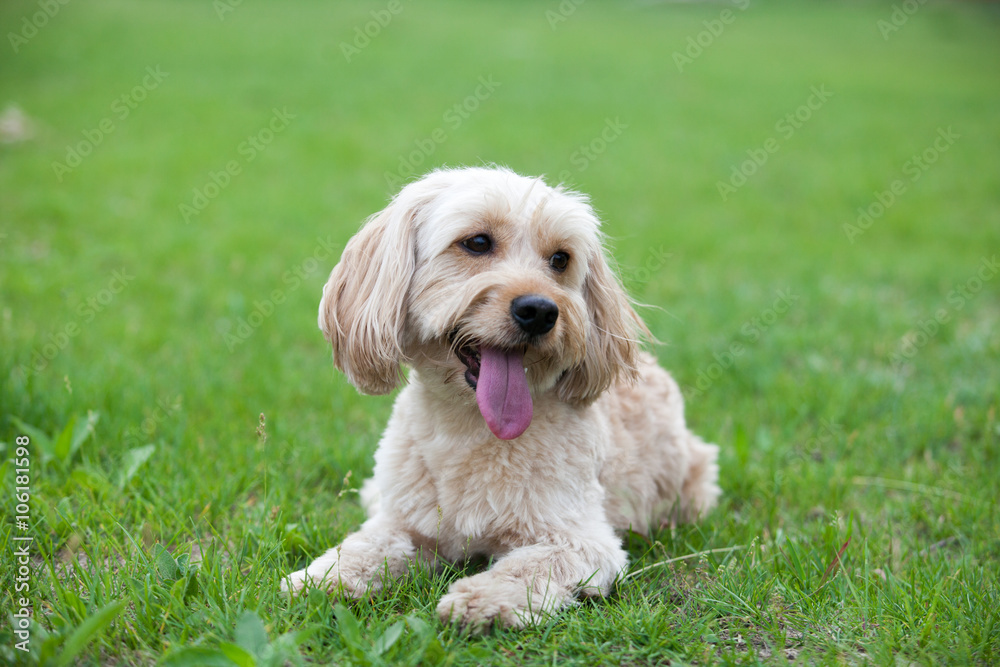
(531, 428)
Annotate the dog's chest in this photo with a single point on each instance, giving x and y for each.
(504, 494)
(451, 481)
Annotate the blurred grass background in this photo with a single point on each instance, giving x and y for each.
(824, 438)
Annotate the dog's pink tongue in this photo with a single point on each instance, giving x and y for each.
(502, 392)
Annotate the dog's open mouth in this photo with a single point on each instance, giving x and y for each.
(469, 355)
(500, 380)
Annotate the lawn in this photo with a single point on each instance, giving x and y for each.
(807, 196)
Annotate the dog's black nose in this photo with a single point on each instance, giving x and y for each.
(535, 314)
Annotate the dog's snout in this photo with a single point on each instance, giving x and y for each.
(535, 314)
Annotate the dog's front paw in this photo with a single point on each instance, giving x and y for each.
(330, 573)
(476, 602)
(364, 563)
(327, 579)
(294, 582)
(329, 582)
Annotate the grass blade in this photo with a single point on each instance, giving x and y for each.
(88, 631)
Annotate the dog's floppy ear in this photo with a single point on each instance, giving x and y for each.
(363, 311)
(613, 336)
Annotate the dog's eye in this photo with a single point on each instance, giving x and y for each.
(559, 261)
(479, 244)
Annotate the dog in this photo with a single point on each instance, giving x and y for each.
(532, 429)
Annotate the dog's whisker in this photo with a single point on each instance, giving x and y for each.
(637, 304)
(540, 360)
(627, 339)
(461, 340)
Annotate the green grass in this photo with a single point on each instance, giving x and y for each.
(832, 440)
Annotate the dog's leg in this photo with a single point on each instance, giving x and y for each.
(365, 562)
(700, 491)
(530, 583)
(371, 497)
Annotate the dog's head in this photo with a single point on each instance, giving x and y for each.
(493, 286)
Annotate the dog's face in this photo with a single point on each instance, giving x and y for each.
(493, 286)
